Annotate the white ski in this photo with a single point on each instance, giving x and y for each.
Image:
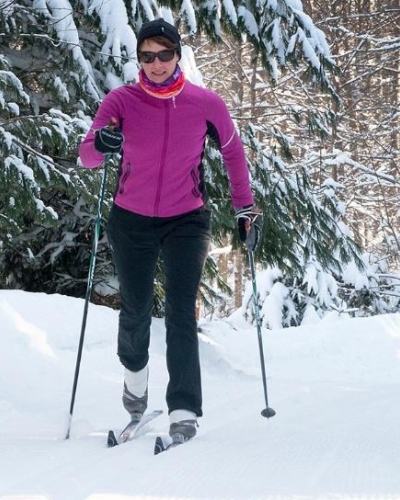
(132, 430)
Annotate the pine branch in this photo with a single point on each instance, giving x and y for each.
(48, 160)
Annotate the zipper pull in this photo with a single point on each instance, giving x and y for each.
(173, 102)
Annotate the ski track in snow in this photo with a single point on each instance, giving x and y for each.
(335, 390)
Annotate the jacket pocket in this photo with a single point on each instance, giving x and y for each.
(194, 174)
(123, 178)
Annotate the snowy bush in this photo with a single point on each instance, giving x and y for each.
(286, 301)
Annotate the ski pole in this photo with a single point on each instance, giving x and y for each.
(267, 412)
(89, 287)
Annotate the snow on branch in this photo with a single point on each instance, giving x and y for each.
(284, 34)
(60, 15)
(188, 12)
(7, 78)
(115, 26)
(341, 158)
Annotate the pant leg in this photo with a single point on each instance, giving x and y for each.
(135, 250)
(184, 251)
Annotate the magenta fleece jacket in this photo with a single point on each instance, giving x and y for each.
(161, 172)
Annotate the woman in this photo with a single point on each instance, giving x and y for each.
(160, 125)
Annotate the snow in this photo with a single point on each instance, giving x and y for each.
(14, 108)
(188, 65)
(334, 386)
(61, 89)
(308, 49)
(249, 21)
(26, 173)
(7, 77)
(229, 7)
(60, 15)
(189, 14)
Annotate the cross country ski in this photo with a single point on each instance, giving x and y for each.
(132, 430)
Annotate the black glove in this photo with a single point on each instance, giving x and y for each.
(249, 221)
(108, 140)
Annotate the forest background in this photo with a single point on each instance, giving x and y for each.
(314, 88)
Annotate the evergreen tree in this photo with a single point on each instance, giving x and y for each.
(46, 203)
(58, 59)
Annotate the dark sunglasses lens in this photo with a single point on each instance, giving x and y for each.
(166, 55)
(147, 57)
(163, 55)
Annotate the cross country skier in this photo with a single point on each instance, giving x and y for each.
(160, 209)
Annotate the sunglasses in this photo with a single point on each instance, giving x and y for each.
(164, 56)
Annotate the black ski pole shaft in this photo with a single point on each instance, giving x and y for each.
(89, 287)
(267, 412)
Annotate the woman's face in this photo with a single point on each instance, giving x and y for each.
(157, 71)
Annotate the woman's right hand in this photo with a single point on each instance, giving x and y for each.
(108, 140)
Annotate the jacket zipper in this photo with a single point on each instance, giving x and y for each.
(163, 156)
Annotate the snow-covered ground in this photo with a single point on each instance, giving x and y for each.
(335, 387)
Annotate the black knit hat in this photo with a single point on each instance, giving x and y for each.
(159, 27)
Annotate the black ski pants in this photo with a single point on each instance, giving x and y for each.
(182, 242)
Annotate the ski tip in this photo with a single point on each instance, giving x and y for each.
(112, 439)
(159, 446)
